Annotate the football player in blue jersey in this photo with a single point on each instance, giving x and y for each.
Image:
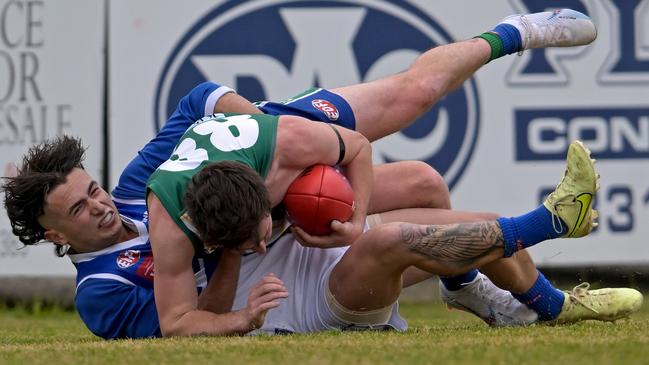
(89, 208)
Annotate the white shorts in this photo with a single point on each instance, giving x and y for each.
(305, 272)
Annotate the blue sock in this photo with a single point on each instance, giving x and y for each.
(455, 282)
(543, 298)
(529, 229)
(510, 37)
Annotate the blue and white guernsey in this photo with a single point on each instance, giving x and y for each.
(114, 294)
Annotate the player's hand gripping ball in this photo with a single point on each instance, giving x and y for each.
(318, 196)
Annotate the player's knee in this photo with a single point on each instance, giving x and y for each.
(384, 241)
(430, 186)
(418, 91)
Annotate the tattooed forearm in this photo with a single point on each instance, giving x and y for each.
(457, 243)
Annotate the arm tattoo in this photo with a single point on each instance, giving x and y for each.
(459, 244)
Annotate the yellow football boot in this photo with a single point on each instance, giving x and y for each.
(600, 304)
(571, 201)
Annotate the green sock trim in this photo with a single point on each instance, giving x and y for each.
(495, 43)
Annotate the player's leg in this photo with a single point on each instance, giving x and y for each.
(534, 289)
(509, 282)
(390, 281)
(369, 275)
(375, 262)
(474, 292)
(556, 306)
(515, 274)
(385, 106)
(407, 184)
(518, 275)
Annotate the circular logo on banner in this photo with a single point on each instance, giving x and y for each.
(272, 50)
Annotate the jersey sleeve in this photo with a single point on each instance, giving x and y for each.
(199, 102)
(131, 313)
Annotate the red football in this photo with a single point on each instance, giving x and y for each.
(319, 195)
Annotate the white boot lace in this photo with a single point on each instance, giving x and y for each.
(556, 221)
(578, 292)
(489, 292)
(549, 33)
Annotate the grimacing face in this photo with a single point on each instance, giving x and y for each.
(82, 214)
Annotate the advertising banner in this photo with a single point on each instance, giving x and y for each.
(51, 70)
(499, 140)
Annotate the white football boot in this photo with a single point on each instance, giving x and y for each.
(559, 28)
(495, 306)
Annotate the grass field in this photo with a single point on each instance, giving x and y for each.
(436, 336)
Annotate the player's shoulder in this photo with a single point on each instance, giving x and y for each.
(104, 283)
(94, 291)
(133, 208)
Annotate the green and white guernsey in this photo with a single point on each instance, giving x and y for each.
(249, 139)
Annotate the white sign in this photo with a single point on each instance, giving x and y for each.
(499, 141)
(51, 69)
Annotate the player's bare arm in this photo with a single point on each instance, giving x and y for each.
(302, 143)
(175, 287)
(218, 295)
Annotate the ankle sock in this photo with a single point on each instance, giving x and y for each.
(543, 298)
(529, 229)
(458, 282)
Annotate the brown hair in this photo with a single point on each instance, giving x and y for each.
(44, 167)
(226, 202)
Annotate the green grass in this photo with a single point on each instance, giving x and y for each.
(436, 336)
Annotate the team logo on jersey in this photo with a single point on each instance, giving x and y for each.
(270, 50)
(128, 258)
(327, 108)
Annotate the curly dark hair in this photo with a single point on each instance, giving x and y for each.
(226, 202)
(44, 167)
